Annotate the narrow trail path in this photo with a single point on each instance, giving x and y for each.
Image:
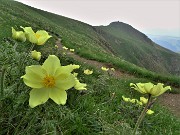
(171, 101)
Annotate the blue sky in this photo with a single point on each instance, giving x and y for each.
(157, 17)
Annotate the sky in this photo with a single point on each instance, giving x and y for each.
(156, 17)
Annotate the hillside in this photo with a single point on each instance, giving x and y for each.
(117, 39)
(171, 43)
(45, 97)
(89, 42)
(135, 47)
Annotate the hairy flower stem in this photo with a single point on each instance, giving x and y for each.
(2, 80)
(142, 115)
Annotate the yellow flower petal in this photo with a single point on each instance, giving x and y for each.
(38, 96)
(161, 90)
(139, 87)
(104, 69)
(33, 77)
(71, 50)
(88, 72)
(126, 99)
(143, 100)
(69, 68)
(18, 35)
(58, 96)
(65, 81)
(139, 103)
(65, 48)
(42, 36)
(30, 34)
(150, 112)
(148, 87)
(132, 100)
(51, 64)
(39, 38)
(80, 86)
(36, 55)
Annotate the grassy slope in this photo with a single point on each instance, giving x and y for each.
(87, 41)
(100, 110)
(86, 45)
(141, 50)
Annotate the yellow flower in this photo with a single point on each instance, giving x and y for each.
(65, 48)
(56, 46)
(126, 99)
(150, 88)
(104, 69)
(18, 35)
(143, 100)
(51, 80)
(112, 69)
(39, 38)
(78, 85)
(132, 100)
(71, 50)
(150, 112)
(139, 102)
(88, 72)
(36, 55)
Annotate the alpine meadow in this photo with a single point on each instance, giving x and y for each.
(61, 76)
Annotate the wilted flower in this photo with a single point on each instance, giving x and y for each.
(71, 50)
(104, 68)
(112, 69)
(18, 35)
(36, 55)
(39, 38)
(149, 112)
(150, 88)
(88, 72)
(65, 48)
(51, 80)
(143, 100)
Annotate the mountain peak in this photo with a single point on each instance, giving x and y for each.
(118, 23)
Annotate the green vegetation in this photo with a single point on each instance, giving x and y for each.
(100, 109)
(137, 48)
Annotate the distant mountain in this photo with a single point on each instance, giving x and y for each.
(135, 47)
(171, 43)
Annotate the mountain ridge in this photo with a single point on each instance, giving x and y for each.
(135, 45)
(117, 39)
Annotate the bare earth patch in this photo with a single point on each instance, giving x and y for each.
(172, 102)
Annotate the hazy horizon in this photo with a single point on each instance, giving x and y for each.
(156, 17)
